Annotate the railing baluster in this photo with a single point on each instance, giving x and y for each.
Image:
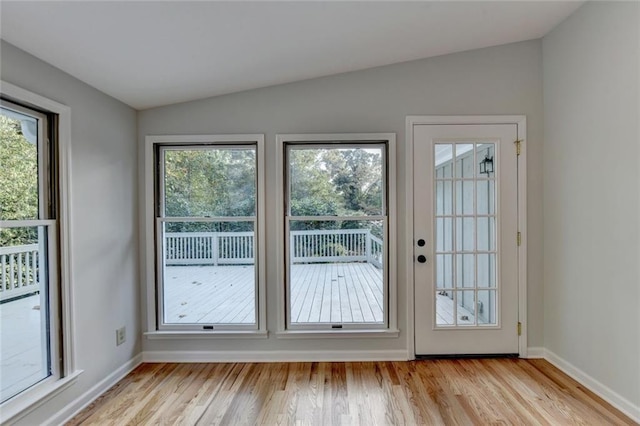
(12, 264)
(3, 272)
(34, 267)
(27, 272)
(20, 278)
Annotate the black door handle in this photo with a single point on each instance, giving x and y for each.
(421, 242)
(422, 258)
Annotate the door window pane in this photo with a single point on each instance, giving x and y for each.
(444, 270)
(444, 234)
(464, 197)
(486, 307)
(464, 160)
(486, 234)
(465, 234)
(465, 309)
(486, 161)
(486, 270)
(443, 156)
(465, 270)
(485, 191)
(444, 308)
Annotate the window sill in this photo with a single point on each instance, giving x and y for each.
(22, 404)
(337, 334)
(214, 334)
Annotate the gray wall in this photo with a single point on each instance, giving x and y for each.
(104, 210)
(499, 80)
(591, 181)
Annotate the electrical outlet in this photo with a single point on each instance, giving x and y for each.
(121, 336)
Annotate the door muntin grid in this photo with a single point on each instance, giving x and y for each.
(466, 234)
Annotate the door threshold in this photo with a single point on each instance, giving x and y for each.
(466, 356)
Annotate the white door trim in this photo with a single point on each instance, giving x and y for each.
(521, 122)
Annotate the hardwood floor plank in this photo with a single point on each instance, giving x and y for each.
(433, 392)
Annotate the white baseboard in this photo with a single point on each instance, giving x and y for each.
(73, 408)
(274, 356)
(535, 352)
(604, 392)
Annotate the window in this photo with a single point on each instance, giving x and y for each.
(36, 340)
(337, 232)
(208, 235)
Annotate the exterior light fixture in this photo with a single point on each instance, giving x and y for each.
(486, 165)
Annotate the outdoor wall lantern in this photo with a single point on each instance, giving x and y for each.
(486, 165)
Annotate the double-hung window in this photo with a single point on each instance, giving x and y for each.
(36, 340)
(337, 232)
(207, 233)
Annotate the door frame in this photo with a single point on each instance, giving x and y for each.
(521, 124)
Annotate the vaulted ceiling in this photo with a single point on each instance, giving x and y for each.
(152, 53)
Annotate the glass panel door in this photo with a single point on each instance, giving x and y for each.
(465, 228)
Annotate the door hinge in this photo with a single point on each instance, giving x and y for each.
(519, 328)
(519, 238)
(518, 146)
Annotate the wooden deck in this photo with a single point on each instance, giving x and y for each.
(320, 293)
(336, 293)
(21, 346)
(444, 312)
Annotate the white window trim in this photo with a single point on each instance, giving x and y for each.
(149, 222)
(30, 399)
(361, 330)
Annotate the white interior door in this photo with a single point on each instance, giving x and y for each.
(465, 239)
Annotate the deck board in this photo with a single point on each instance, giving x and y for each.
(21, 347)
(320, 293)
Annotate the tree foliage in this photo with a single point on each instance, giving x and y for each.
(18, 182)
(210, 183)
(221, 182)
(336, 182)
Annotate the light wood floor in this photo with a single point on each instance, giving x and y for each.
(438, 392)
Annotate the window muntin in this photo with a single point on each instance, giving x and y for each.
(466, 285)
(29, 295)
(336, 235)
(206, 237)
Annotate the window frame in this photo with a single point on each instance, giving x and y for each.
(54, 214)
(328, 140)
(152, 223)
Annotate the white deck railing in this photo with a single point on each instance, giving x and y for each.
(18, 271)
(209, 248)
(227, 248)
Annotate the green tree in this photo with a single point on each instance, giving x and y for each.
(18, 182)
(209, 183)
(335, 182)
(357, 177)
